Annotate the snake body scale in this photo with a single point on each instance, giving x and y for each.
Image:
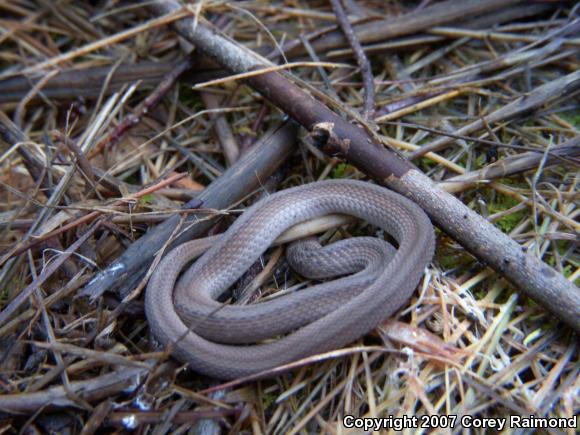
(375, 280)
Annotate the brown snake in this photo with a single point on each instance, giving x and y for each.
(223, 340)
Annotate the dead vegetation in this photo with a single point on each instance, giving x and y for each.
(108, 130)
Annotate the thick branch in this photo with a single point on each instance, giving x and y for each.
(438, 14)
(339, 137)
(247, 174)
(59, 396)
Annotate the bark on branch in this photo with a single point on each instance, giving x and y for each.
(435, 15)
(247, 174)
(338, 137)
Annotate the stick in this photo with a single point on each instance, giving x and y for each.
(438, 14)
(91, 82)
(19, 249)
(540, 96)
(24, 294)
(338, 137)
(90, 390)
(132, 119)
(235, 183)
(511, 165)
(222, 129)
(360, 56)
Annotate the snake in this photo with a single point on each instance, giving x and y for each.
(360, 281)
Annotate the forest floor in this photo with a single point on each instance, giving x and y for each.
(108, 127)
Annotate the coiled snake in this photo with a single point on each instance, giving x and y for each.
(224, 341)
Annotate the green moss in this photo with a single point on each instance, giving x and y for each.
(509, 182)
(17, 281)
(567, 270)
(3, 297)
(268, 399)
(341, 170)
(449, 257)
(133, 178)
(447, 261)
(479, 292)
(510, 221)
(427, 164)
(190, 97)
(146, 199)
(479, 162)
(572, 117)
